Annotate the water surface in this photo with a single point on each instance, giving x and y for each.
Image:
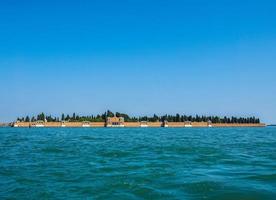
(138, 163)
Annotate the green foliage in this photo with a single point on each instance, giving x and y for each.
(62, 117)
(154, 118)
(109, 113)
(41, 116)
(27, 119)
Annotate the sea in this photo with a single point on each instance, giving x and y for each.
(138, 163)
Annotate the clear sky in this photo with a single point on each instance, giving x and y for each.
(138, 56)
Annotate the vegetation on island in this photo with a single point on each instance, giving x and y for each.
(155, 118)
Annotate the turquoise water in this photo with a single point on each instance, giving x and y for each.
(137, 163)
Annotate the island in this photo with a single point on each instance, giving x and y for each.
(110, 119)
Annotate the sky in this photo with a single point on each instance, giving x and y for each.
(211, 57)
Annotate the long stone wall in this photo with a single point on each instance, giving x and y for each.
(238, 125)
(132, 124)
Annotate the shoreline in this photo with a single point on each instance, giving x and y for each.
(132, 125)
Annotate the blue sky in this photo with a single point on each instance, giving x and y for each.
(139, 57)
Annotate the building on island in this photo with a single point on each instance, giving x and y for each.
(39, 123)
(15, 124)
(165, 124)
(188, 124)
(85, 124)
(115, 122)
(209, 123)
(144, 124)
(63, 123)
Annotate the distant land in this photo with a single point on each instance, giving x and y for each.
(4, 124)
(155, 118)
(110, 119)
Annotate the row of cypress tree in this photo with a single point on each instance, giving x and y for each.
(170, 118)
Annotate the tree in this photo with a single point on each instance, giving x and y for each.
(197, 118)
(177, 118)
(154, 118)
(67, 117)
(27, 119)
(110, 114)
(42, 116)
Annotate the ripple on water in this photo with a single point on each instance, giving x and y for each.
(264, 178)
(115, 154)
(202, 188)
(52, 150)
(138, 163)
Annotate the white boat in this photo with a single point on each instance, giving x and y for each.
(39, 125)
(144, 125)
(86, 125)
(188, 124)
(116, 126)
(165, 124)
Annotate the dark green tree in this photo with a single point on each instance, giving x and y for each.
(109, 113)
(27, 119)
